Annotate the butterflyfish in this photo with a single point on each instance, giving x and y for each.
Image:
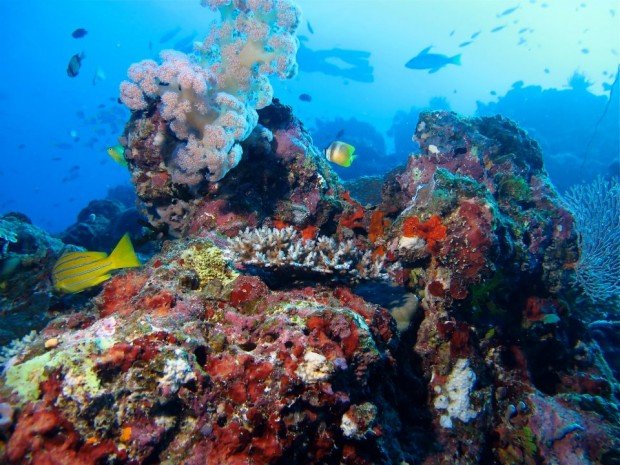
(340, 153)
(77, 271)
(117, 153)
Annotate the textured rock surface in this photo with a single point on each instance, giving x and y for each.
(26, 260)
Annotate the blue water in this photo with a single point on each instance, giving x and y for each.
(55, 129)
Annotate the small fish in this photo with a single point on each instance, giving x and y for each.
(432, 61)
(466, 43)
(79, 33)
(73, 133)
(521, 41)
(340, 153)
(75, 63)
(498, 28)
(522, 30)
(117, 153)
(77, 271)
(339, 134)
(508, 11)
(21, 146)
(546, 70)
(475, 34)
(452, 33)
(310, 30)
(305, 97)
(585, 51)
(56, 158)
(493, 92)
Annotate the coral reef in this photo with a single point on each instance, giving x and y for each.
(472, 352)
(228, 370)
(282, 178)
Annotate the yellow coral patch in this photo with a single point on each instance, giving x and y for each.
(208, 263)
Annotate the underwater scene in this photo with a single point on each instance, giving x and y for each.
(329, 232)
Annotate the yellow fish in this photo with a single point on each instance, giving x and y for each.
(340, 153)
(76, 271)
(118, 154)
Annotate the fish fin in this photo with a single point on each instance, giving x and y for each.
(434, 70)
(426, 50)
(349, 149)
(123, 255)
(456, 60)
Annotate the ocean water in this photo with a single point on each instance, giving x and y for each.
(56, 129)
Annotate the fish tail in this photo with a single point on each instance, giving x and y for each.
(456, 59)
(123, 255)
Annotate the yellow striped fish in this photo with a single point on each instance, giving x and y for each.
(340, 153)
(76, 271)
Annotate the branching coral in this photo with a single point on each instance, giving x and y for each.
(284, 250)
(210, 103)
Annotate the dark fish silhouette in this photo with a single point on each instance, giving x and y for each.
(186, 44)
(498, 28)
(475, 34)
(466, 43)
(432, 61)
(169, 35)
(508, 11)
(305, 97)
(79, 33)
(310, 28)
(75, 63)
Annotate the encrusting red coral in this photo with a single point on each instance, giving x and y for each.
(432, 230)
(352, 219)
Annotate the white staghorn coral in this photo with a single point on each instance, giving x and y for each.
(284, 250)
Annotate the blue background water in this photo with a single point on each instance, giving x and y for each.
(55, 129)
